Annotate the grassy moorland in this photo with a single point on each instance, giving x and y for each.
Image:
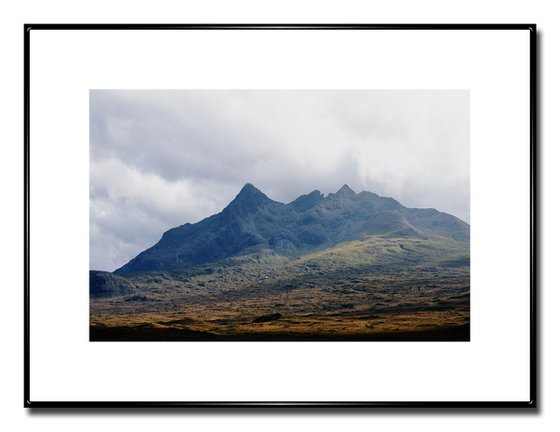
(372, 288)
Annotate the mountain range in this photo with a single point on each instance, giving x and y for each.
(253, 222)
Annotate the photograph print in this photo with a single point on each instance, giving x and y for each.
(279, 215)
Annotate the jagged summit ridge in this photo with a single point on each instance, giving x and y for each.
(253, 222)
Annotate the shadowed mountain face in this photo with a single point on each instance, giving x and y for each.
(253, 222)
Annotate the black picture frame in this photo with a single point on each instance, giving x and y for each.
(532, 403)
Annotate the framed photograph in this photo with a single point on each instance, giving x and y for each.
(280, 216)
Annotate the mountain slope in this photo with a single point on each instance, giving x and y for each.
(253, 222)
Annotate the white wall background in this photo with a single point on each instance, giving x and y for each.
(14, 417)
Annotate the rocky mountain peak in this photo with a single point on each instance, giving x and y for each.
(345, 191)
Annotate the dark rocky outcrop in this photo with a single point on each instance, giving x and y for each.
(105, 284)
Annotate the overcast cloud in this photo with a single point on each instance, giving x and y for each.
(163, 158)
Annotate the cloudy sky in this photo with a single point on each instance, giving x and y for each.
(159, 159)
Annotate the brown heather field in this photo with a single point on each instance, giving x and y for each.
(378, 289)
